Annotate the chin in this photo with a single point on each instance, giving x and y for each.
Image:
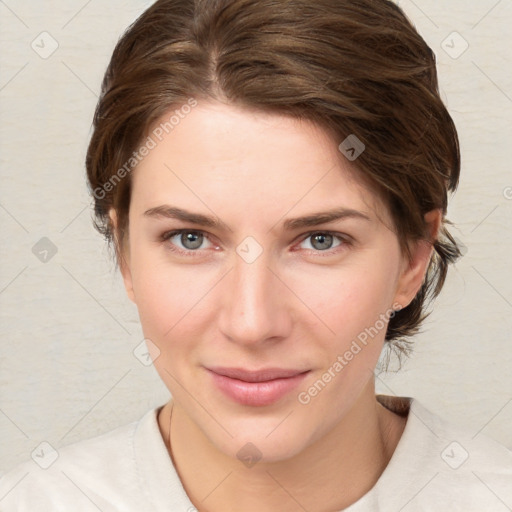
(255, 445)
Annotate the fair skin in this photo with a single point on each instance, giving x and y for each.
(298, 305)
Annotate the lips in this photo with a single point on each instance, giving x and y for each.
(256, 375)
(256, 387)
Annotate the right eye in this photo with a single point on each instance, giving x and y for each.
(186, 241)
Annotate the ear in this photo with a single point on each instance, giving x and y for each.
(123, 256)
(414, 268)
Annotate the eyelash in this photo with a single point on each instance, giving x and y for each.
(345, 241)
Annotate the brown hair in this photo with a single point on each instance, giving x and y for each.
(354, 67)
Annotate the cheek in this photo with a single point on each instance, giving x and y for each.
(348, 299)
(355, 305)
(169, 298)
(172, 308)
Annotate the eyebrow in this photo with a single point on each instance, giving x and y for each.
(172, 212)
(310, 220)
(317, 218)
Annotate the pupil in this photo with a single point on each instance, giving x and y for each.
(191, 240)
(324, 241)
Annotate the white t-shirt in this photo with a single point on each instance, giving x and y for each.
(435, 467)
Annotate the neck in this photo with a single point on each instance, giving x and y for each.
(336, 470)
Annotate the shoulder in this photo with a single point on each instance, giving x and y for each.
(97, 472)
(436, 461)
(460, 447)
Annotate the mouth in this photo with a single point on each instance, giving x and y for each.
(256, 387)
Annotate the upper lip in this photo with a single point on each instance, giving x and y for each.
(256, 375)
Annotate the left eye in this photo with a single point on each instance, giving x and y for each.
(322, 241)
(188, 240)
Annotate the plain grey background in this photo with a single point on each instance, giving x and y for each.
(68, 333)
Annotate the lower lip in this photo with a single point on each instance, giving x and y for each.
(256, 393)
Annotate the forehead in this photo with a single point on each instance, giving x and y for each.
(220, 155)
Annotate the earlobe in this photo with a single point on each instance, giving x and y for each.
(123, 257)
(415, 268)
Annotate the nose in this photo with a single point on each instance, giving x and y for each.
(254, 303)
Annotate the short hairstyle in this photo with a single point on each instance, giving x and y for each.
(352, 67)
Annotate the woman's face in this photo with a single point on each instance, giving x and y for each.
(261, 277)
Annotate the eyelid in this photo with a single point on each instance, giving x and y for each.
(342, 237)
(165, 237)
